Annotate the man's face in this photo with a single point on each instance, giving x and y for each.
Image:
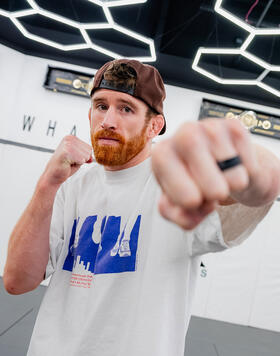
(118, 127)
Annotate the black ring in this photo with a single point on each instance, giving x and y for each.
(229, 163)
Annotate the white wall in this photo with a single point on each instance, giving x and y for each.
(242, 285)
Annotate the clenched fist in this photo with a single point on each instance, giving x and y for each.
(186, 168)
(67, 159)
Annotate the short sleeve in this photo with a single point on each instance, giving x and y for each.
(227, 227)
(238, 221)
(207, 236)
(56, 232)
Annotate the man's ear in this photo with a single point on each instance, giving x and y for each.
(155, 125)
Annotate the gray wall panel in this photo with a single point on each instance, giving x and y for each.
(17, 317)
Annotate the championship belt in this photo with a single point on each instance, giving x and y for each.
(260, 124)
(248, 119)
(268, 127)
(67, 81)
(256, 122)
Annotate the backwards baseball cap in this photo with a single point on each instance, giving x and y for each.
(148, 87)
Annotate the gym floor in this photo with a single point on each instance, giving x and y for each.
(205, 337)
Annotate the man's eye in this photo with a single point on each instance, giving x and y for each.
(101, 107)
(127, 109)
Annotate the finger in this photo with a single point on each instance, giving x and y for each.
(86, 152)
(187, 219)
(174, 178)
(76, 158)
(69, 149)
(85, 149)
(222, 148)
(242, 142)
(79, 152)
(191, 145)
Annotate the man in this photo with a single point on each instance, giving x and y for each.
(123, 276)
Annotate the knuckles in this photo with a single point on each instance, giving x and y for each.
(189, 135)
(214, 129)
(237, 130)
(71, 146)
(218, 127)
(69, 141)
(67, 144)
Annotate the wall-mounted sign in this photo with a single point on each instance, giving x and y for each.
(256, 122)
(68, 81)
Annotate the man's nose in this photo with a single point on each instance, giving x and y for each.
(109, 119)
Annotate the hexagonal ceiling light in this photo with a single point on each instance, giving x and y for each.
(242, 51)
(83, 27)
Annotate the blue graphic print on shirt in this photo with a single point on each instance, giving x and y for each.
(116, 251)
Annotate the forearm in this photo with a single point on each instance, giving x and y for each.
(264, 186)
(28, 249)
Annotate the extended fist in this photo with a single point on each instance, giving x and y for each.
(186, 168)
(67, 159)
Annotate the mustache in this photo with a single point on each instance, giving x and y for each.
(107, 133)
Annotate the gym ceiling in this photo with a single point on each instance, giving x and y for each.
(177, 27)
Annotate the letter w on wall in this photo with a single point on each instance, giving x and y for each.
(28, 122)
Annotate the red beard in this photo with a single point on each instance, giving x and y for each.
(117, 155)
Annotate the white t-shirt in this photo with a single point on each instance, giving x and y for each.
(123, 277)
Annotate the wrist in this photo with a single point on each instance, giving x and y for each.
(46, 188)
(41, 203)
